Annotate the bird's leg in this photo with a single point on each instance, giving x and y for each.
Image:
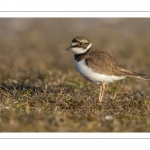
(103, 89)
(100, 94)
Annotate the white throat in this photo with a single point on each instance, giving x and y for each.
(80, 50)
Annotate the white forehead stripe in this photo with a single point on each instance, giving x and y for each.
(73, 44)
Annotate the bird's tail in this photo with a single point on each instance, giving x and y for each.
(134, 74)
(142, 76)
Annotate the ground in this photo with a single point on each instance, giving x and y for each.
(41, 90)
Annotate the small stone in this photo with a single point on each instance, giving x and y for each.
(108, 117)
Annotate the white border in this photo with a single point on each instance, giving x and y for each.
(75, 14)
(77, 5)
(77, 144)
(77, 135)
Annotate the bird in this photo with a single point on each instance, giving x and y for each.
(97, 66)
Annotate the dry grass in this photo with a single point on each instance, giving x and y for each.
(42, 91)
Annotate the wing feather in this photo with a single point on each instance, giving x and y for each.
(101, 62)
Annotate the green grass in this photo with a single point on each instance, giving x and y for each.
(41, 91)
(73, 107)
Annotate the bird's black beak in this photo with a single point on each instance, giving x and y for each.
(69, 48)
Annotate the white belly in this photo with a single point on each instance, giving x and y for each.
(92, 76)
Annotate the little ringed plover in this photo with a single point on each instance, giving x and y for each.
(97, 66)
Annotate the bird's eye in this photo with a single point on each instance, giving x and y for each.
(80, 44)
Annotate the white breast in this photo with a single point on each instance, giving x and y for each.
(97, 78)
